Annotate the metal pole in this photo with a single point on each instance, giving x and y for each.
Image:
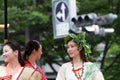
(5, 21)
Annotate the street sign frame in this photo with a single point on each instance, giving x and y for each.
(61, 16)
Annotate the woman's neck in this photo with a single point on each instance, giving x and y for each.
(13, 68)
(13, 64)
(77, 61)
(32, 60)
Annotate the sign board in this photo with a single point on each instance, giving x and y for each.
(61, 15)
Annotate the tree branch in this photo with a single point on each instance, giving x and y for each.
(115, 59)
(104, 54)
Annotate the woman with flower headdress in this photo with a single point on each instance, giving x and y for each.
(79, 68)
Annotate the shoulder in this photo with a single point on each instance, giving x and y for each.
(1, 67)
(66, 64)
(92, 71)
(3, 71)
(28, 69)
(29, 72)
(90, 64)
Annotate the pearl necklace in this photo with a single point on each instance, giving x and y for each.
(78, 76)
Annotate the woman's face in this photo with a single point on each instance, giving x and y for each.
(72, 49)
(8, 53)
(39, 53)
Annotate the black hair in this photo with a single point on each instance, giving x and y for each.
(15, 46)
(30, 46)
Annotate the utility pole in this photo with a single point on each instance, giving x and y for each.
(5, 22)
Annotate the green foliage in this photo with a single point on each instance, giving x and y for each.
(37, 18)
(115, 49)
(80, 41)
(97, 6)
(52, 49)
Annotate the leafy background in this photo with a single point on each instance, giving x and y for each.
(32, 19)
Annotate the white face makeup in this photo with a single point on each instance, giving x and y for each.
(8, 53)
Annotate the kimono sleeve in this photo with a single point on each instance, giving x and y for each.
(61, 73)
(28, 74)
(93, 72)
(97, 75)
(2, 71)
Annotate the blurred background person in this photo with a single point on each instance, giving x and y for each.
(13, 61)
(32, 53)
(14, 64)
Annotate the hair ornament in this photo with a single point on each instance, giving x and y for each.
(79, 40)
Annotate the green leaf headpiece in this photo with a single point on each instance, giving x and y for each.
(79, 40)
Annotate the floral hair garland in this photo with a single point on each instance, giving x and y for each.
(80, 41)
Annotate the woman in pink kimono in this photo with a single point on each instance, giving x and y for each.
(79, 68)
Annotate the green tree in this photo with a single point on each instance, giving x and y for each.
(33, 19)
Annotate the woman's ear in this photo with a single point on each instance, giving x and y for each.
(16, 52)
(34, 51)
(80, 48)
